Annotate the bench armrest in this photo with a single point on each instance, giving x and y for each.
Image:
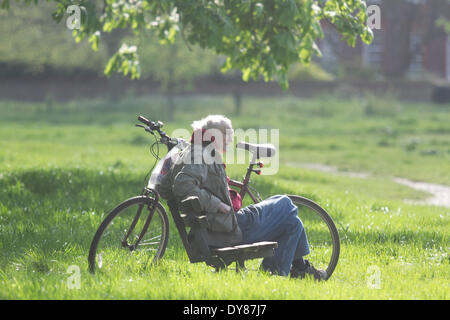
(191, 205)
(191, 220)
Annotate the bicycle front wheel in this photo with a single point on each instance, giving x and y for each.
(322, 234)
(133, 234)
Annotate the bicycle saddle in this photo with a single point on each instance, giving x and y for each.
(261, 150)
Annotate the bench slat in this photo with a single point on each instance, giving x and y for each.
(251, 246)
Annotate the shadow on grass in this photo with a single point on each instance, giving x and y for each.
(58, 210)
(51, 208)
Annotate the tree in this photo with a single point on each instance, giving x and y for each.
(261, 38)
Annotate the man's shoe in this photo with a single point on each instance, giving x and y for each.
(318, 274)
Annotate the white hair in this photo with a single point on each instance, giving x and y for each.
(219, 122)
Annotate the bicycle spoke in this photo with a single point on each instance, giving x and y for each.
(158, 236)
(100, 262)
(144, 235)
(133, 224)
(147, 243)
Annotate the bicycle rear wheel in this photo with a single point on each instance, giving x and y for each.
(322, 234)
(132, 234)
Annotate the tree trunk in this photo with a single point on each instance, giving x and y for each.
(170, 102)
(237, 95)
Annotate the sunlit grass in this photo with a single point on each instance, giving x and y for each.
(61, 172)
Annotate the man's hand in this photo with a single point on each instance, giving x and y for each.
(224, 208)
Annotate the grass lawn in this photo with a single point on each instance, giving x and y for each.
(63, 166)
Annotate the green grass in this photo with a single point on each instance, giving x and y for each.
(64, 166)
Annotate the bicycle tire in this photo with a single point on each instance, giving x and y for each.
(334, 234)
(116, 212)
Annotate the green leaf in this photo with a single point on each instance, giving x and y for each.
(5, 4)
(94, 39)
(246, 74)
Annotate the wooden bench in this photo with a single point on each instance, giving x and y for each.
(192, 217)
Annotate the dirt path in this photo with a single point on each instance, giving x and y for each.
(440, 194)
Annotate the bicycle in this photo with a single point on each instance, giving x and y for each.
(140, 224)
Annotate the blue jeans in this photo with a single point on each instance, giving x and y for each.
(275, 219)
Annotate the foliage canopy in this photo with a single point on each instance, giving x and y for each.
(258, 37)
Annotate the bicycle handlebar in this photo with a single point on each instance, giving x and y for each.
(152, 126)
(144, 120)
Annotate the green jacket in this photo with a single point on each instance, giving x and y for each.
(192, 176)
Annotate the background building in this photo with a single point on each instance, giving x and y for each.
(410, 44)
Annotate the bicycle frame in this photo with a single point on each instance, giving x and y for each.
(244, 186)
(146, 193)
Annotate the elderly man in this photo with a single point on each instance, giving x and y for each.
(200, 172)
